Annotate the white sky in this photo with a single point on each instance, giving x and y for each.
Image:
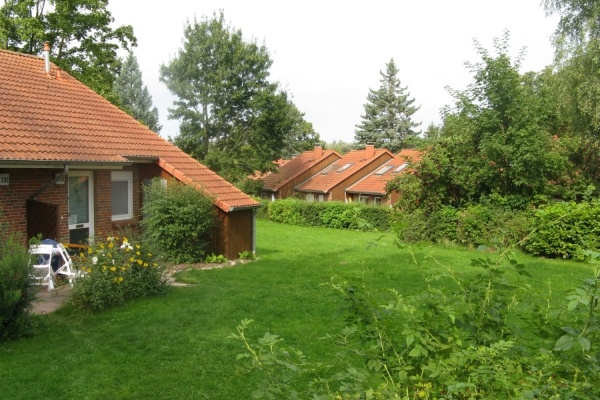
(327, 54)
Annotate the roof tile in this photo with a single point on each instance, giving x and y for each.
(48, 119)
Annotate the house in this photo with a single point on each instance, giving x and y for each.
(280, 184)
(72, 165)
(371, 188)
(330, 183)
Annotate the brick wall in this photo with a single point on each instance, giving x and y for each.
(23, 184)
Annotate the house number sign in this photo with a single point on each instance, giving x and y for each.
(4, 179)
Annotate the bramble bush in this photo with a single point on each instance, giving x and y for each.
(485, 337)
(565, 229)
(16, 291)
(115, 271)
(178, 219)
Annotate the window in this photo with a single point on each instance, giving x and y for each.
(363, 199)
(122, 195)
(377, 200)
(400, 168)
(328, 169)
(310, 197)
(345, 167)
(384, 169)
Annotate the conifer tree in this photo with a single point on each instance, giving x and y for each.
(133, 94)
(388, 113)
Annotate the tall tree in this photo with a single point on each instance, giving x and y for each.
(494, 140)
(133, 94)
(79, 31)
(388, 113)
(232, 118)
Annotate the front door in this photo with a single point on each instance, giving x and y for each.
(81, 206)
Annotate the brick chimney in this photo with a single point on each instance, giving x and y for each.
(318, 151)
(369, 150)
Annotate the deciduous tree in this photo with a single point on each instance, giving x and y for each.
(232, 117)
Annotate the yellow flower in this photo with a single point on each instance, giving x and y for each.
(137, 253)
(149, 254)
(120, 279)
(137, 246)
(89, 250)
(123, 269)
(139, 262)
(145, 265)
(104, 268)
(131, 259)
(111, 245)
(154, 264)
(113, 269)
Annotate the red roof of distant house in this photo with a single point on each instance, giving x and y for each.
(53, 119)
(351, 163)
(294, 167)
(375, 182)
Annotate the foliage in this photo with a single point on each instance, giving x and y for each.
(388, 114)
(495, 141)
(178, 219)
(472, 226)
(16, 291)
(565, 229)
(216, 259)
(83, 41)
(251, 187)
(232, 118)
(133, 94)
(462, 341)
(246, 255)
(115, 271)
(330, 214)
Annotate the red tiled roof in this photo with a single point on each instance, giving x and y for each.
(375, 182)
(351, 163)
(294, 167)
(55, 119)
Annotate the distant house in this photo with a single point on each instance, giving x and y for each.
(72, 165)
(371, 188)
(330, 183)
(280, 184)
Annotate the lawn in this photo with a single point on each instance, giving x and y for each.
(176, 347)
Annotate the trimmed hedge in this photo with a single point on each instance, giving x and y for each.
(331, 214)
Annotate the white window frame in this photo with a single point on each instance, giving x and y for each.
(119, 176)
(364, 199)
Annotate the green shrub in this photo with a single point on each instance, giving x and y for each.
(471, 226)
(263, 212)
(115, 271)
(565, 229)
(16, 292)
(330, 214)
(179, 219)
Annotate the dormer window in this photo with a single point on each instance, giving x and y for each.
(384, 169)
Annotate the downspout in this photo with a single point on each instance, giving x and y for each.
(254, 231)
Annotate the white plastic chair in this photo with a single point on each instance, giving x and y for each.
(53, 259)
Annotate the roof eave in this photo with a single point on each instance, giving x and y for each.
(62, 163)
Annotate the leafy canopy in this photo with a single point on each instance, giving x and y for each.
(494, 141)
(232, 117)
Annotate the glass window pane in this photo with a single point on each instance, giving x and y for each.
(120, 199)
(78, 199)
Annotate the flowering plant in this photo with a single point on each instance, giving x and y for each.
(117, 270)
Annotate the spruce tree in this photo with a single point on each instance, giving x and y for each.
(388, 120)
(134, 96)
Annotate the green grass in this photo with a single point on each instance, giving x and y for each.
(176, 347)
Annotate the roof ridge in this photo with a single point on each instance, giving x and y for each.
(18, 53)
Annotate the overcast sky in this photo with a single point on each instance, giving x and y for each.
(328, 54)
